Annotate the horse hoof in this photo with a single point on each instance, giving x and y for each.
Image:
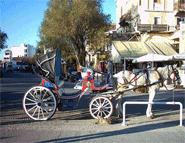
(150, 117)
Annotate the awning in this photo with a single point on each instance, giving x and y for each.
(132, 50)
(176, 35)
(150, 57)
(180, 56)
(162, 48)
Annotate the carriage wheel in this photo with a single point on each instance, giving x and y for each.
(39, 103)
(100, 106)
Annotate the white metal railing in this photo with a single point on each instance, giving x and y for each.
(137, 102)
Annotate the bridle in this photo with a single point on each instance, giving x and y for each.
(176, 75)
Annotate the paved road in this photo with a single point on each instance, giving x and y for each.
(78, 126)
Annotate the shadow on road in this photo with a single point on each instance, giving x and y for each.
(143, 128)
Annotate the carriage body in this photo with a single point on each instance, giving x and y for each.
(41, 101)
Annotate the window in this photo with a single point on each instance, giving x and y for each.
(157, 20)
(25, 50)
(157, 1)
(7, 54)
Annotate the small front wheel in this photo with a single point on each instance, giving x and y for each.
(100, 107)
(39, 103)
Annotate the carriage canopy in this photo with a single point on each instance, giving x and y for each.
(50, 65)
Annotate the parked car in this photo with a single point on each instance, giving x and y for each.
(9, 68)
(28, 69)
(16, 65)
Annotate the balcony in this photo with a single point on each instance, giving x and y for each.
(151, 27)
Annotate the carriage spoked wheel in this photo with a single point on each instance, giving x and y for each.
(39, 103)
(100, 107)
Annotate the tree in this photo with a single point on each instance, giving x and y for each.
(69, 23)
(3, 38)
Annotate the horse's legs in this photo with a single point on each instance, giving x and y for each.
(119, 110)
(152, 92)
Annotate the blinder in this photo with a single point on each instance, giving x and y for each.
(176, 74)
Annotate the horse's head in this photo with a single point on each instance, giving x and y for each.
(173, 73)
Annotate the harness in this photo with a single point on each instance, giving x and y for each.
(146, 71)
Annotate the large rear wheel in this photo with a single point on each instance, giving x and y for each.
(39, 103)
(100, 107)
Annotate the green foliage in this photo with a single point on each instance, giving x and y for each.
(73, 22)
(3, 39)
(32, 60)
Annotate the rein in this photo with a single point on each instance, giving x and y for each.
(134, 79)
(176, 74)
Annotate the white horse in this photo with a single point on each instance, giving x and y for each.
(151, 79)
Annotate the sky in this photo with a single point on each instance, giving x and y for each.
(21, 19)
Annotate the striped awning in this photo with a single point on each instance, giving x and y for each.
(135, 49)
(130, 49)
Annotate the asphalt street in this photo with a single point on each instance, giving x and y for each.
(76, 125)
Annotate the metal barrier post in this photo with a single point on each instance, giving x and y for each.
(136, 102)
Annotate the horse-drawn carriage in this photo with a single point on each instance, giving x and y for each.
(41, 101)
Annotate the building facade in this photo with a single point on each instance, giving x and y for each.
(150, 15)
(25, 50)
(149, 18)
(7, 56)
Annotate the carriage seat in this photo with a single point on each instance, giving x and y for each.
(71, 93)
(60, 83)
